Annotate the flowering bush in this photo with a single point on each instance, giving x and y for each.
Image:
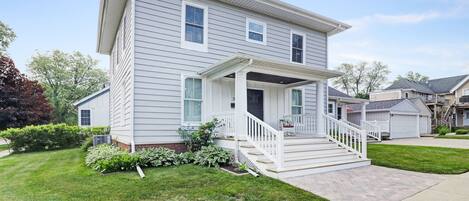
(203, 136)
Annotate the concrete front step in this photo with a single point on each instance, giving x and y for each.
(306, 160)
(295, 171)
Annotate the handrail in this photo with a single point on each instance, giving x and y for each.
(346, 136)
(372, 129)
(266, 139)
(351, 124)
(227, 120)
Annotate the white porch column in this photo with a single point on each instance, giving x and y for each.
(207, 100)
(320, 98)
(363, 113)
(241, 105)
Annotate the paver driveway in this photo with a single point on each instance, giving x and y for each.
(367, 183)
(430, 141)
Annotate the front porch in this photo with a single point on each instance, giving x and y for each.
(275, 112)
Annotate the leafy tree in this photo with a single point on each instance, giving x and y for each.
(6, 37)
(413, 76)
(66, 78)
(21, 100)
(362, 78)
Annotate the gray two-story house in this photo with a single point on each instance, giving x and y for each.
(259, 66)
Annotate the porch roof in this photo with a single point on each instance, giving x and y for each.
(242, 61)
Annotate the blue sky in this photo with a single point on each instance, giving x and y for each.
(427, 36)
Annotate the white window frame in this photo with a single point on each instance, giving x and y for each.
(333, 108)
(183, 98)
(188, 44)
(464, 92)
(291, 45)
(302, 101)
(264, 31)
(79, 116)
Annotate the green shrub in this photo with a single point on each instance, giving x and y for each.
(185, 158)
(87, 144)
(48, 137)
(108, 158)
(203, 136)
(442, 130)
(462, 131)
(212, 156)
(123, 162)
(155, 157)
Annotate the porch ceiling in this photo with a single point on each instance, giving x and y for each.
(265, 66)
(261, 77)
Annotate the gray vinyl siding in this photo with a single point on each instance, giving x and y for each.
(121, 82)
(160, 60)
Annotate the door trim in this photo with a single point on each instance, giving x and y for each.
(263, 99)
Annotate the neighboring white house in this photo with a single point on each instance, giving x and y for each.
(251, 64)
(93, 110)
(399, 118)
(337, 103)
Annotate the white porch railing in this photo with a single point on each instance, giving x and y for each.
(227, 121)
(346, 136)
(372, 129)
(266, 139)
(303, 125)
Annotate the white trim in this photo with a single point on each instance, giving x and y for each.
(79, 117)
(334, 105)
(292, 31)
(202, 107)
(264, 31)
(459, 84)
(191, 45)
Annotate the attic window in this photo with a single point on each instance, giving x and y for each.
(256, 31)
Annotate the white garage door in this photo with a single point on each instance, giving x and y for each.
(424, 125)
(403, 126)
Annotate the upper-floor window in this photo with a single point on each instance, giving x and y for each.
(297, 101)
(194, 26)
(192, 100)
(256, 31)
(331, 108)
(85, 117)
(297, 47)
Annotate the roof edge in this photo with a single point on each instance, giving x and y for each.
(89, 97)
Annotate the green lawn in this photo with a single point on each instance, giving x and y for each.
(437, 160)
(3, 147)
(61, 175)
(458, 137)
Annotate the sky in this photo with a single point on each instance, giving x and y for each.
(426, 36)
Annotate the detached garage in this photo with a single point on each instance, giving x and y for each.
(400, 118)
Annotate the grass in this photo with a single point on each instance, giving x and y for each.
(61, 175)
(458, 137)
(437, 160)
(3, 147)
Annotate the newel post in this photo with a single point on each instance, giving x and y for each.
(364, 139)
(280, 149)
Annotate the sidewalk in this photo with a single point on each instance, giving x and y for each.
(454, 188)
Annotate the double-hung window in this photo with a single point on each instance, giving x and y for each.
(194, 26)
(192, 100)
(297, 101)
(85, 117)
(256, 31)
(297, 47)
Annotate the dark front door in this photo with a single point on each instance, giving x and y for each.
(256, 103)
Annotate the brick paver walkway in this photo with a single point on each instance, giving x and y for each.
(366, 184)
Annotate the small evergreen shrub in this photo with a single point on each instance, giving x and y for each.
(156, 157)
(212, 156)
(203, 136)
(462, 131)
(442, 130)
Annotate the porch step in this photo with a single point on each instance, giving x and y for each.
(295, 171)
(314, 159)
